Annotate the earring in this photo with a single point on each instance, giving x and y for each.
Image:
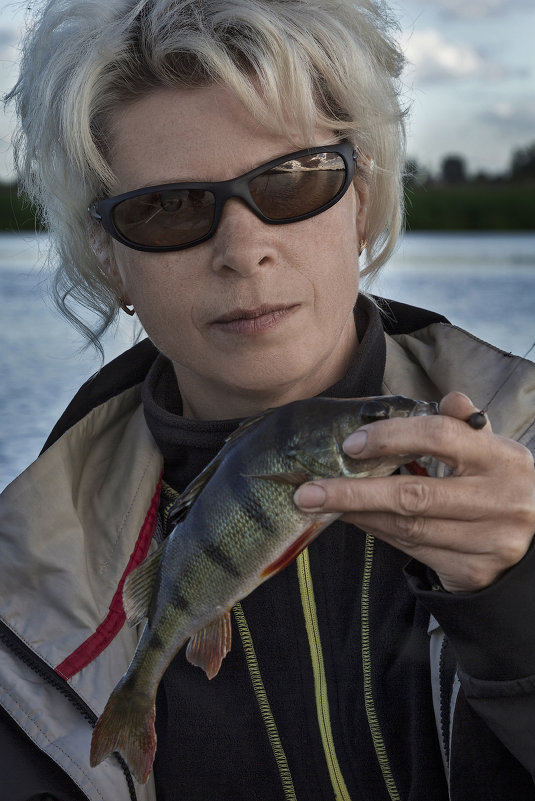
(125, 308)
(363, 246)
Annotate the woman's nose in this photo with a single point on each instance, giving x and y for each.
(242, 242)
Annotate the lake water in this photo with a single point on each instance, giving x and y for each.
(482, 282)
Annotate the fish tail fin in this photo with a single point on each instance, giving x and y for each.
(127, 725)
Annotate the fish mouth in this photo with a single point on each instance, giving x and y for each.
(422, 408)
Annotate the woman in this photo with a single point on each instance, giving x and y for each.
(352, 674)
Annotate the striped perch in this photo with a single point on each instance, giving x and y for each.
(234, 527)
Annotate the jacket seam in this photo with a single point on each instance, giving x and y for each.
(128, 511)
(494, 688)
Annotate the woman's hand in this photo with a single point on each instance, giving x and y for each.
(470, 527)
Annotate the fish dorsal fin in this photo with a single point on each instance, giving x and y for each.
(247, 424)
(138, 587)
(209, 646)
(184, 501)
(180, 508)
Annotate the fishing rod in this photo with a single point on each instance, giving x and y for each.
(479, 419)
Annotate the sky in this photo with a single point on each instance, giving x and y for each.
(469, 82)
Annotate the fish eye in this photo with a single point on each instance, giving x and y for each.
(374, 410)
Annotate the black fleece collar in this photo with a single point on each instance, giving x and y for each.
(187, 445)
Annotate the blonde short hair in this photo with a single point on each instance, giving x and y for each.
(294, 64)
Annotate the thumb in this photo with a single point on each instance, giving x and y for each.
(456, 404)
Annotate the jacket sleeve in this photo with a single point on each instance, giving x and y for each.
(493, 636)
(27, 773)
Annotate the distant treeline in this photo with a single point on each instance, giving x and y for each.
(16, 213)
(465, 206)
(471, 207)
(453, 200)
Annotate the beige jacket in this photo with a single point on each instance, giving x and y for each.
(75, 522)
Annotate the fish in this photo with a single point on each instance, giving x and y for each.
(234, 527)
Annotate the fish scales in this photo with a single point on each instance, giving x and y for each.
(237, 526)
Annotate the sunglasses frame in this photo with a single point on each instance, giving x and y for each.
(102, 210)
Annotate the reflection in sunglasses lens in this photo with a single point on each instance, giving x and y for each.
(298, 186)
(163, 219)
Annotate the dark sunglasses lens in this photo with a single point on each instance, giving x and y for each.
(165, 219)
(299, 186)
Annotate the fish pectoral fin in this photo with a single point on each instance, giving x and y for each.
(295, 479)
(138, 587)
(314, 467)
(294, 549)
(209, 646)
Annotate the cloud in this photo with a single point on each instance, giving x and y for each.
(516, 117)
(10, 36)
(433, 59)
(9, 39)
(479, 9)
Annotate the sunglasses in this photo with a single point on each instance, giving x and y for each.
(176, 216)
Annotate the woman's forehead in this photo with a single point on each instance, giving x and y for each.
(193, 134)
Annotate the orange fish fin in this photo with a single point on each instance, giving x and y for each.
(139, 585)
(295, 479)
(416, 469)
(127, 726)
(209, 646)
(294, 550)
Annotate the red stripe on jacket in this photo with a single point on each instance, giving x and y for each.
(114, 620)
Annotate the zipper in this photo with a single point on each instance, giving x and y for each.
(445, 696)
(263, 704)
(369, 703)
(25, 654)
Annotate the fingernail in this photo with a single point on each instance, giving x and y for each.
(310, 497)
(356, 442)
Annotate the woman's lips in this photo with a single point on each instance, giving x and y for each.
(253, 321)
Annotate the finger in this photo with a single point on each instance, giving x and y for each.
(423, 535)
(409, 496)
(457, 571)
(446, 438)
(456, 404)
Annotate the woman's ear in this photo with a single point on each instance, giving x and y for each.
(362, 191)
(100, 244)
(362, 181)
